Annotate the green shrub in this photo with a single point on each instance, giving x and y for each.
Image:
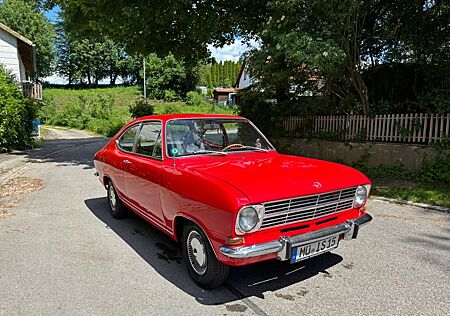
(16, 114)
(437, 171)
(169, 108)
(254, 106)
(194, 98)
(142, 107)
(170, 96)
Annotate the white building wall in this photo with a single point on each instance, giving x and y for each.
(245, 80)
(9, 55)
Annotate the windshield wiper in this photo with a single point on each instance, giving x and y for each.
(251, 147)
(206, 152)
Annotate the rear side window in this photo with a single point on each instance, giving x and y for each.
(148, 142)
(126, 141)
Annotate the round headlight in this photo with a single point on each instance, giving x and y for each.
(248, 219)
(360, 196)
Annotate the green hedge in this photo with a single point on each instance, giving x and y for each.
(16, 114)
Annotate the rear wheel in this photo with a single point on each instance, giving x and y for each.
(118, 210)
(200, 259)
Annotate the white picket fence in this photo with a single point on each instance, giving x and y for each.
(405, 128)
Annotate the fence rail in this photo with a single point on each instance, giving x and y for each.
(405, 128)
(32, 90)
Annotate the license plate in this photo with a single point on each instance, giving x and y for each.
(303, 252)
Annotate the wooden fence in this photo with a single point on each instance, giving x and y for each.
(405, 128)
(32, 90)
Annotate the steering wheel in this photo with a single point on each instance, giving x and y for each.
(233, 145)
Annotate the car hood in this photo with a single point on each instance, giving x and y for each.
(271, 176)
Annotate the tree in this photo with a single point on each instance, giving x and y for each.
(164, 75)
(319, 45)
(27, 20)
(183, 28)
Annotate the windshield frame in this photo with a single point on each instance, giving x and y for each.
(271, 147)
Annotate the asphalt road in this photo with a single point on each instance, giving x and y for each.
(62, 254)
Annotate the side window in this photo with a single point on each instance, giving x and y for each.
(126, 141)
(147, 140)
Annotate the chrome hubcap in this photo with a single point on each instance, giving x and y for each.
(196, 252)
(112, 197)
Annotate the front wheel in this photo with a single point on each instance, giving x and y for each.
(200, 259)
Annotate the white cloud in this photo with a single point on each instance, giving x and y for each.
(233, 51)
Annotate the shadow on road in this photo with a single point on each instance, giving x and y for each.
(67, 152)
(164, 255)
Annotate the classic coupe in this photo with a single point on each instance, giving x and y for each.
(216, 185)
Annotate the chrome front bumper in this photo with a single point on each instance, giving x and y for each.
(283, 245)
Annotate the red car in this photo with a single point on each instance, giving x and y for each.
(215, 184)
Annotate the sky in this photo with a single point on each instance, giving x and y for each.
(229, 52)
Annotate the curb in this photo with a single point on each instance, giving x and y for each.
(411, 203)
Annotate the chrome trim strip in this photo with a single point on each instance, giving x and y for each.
(252, 251)
(307, 207)
(315, 206)
(349, 229)
(309, 195)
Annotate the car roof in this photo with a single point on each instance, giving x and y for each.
(166, 117)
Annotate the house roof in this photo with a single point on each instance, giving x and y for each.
(225, 90)
(27, 49)
(15, 34)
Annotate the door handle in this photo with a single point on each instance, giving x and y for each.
(126, 161)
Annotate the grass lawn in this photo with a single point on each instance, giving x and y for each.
(123, 96)
(105, 110)
(422, 193)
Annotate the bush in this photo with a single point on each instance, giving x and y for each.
(16, 114)
(142, 107)
(96, 112)
(169, 108)
(194, 98)
(254, 106)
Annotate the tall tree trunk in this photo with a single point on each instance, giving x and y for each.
(89, 77)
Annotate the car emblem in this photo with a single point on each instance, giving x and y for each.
(317, 184)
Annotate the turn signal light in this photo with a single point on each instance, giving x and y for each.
(233, 241)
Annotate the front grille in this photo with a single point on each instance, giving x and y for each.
(306, 208)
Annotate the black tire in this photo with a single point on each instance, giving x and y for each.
(211, 273)
(118, 210)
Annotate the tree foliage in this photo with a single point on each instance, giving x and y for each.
(88, 61)
(324, 46)
(222, 74)
(183, 28)
(26, 19)
(165, 77)
(301, 41)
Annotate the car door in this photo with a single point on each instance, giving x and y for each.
(119, 165)
(143, 177)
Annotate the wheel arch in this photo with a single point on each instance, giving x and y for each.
(180, 221)
(106, 179)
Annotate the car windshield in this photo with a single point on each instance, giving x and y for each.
(187, 137)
